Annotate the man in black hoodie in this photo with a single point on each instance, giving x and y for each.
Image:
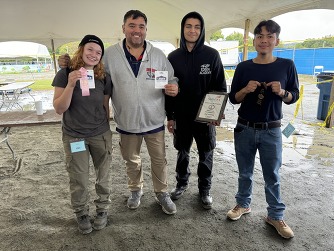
(199, 70)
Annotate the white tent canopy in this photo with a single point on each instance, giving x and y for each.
(18, 49)
(54, 23)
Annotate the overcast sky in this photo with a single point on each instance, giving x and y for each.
(300, 25)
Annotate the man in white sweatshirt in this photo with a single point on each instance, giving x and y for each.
(138, 106)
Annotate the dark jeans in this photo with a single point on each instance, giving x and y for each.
(205, 138)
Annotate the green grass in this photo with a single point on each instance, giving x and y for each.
(42, 85)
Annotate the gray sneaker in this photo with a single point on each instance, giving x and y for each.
(166, 203)
(101, 220)
(134, 199)
(177, 192)
(84, 225)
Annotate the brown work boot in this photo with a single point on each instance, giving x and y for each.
(237, 212)
(282, 228)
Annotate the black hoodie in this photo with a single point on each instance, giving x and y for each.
(198, 71)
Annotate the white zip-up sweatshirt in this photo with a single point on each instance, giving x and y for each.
(137, 105)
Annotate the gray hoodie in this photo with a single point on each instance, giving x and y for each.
(137, 105)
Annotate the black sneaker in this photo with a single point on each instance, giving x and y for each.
(177, 192)
(101, 220)
(206, 200)
(84, 225)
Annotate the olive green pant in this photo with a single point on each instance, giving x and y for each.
(77, 164)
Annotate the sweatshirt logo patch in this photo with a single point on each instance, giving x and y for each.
(205, 69)
(150, 73)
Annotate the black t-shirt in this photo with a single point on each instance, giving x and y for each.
(86, 115)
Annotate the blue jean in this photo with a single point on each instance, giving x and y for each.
(269, 144)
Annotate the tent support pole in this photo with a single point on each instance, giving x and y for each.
(246, 35)
(54, 56)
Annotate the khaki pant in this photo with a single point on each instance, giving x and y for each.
(130, 148)
(77, 164)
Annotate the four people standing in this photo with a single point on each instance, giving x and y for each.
(260, 85)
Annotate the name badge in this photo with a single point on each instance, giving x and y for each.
(90, 78)
(78, 146)
(288, 130)
(161, 79)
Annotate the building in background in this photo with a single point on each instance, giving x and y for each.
(228, 51)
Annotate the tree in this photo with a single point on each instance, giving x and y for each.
(71, 47)
(216, 35)
(327, 41)
(237, 36)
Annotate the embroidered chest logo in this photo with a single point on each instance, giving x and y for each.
(205, 69)
(150, 73)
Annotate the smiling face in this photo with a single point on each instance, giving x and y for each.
(192, 30)
(135, 32)
(265, 42)
(91, 55)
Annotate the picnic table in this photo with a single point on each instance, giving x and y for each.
(24, 118)
(11, 93)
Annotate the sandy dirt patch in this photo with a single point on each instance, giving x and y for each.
(36, 213)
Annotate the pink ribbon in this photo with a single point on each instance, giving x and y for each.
(84, 82)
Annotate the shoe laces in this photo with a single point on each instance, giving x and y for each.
(165, 197)
(83, 217)
(101, 214)
(236, 208)
(135, 194)
(282, 223)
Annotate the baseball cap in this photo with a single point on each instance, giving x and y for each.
(92, 39)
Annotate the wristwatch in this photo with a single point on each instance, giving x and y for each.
(286, 94)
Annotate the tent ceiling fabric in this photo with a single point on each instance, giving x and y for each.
(23, 49)
(65, 21)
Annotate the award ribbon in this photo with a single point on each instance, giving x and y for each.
(84, 82)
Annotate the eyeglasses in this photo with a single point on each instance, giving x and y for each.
(134, 61)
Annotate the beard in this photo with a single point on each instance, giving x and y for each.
(135, 42)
